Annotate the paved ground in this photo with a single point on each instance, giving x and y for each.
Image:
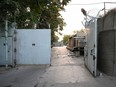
(66, 70)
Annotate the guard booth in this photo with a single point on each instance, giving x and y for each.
(80, 44)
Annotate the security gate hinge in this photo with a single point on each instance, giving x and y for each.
(15, 50)
(94, 58)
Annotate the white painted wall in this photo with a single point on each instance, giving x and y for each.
(33, 46)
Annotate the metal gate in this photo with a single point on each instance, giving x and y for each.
(3, 60)
(33, 46)
(91, 47)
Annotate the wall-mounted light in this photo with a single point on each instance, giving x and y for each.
(84, 11)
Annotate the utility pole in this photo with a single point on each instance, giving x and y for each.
(104, 8)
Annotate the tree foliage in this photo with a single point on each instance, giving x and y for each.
(66, 38)
(34, 13)
(56, 38)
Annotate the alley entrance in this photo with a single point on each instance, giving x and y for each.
(66, 68)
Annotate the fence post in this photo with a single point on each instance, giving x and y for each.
(6, 43)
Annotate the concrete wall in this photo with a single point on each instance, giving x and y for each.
(33, 46)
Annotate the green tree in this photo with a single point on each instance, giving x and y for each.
(56, 38)
(66, 38)
(34, 13)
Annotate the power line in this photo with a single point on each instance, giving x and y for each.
(110, 2)
(94, 3)
(86, 4)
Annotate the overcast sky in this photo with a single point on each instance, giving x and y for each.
(73, 15)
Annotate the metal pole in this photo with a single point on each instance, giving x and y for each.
(104, 8)
(96, 46)
(6, 42)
